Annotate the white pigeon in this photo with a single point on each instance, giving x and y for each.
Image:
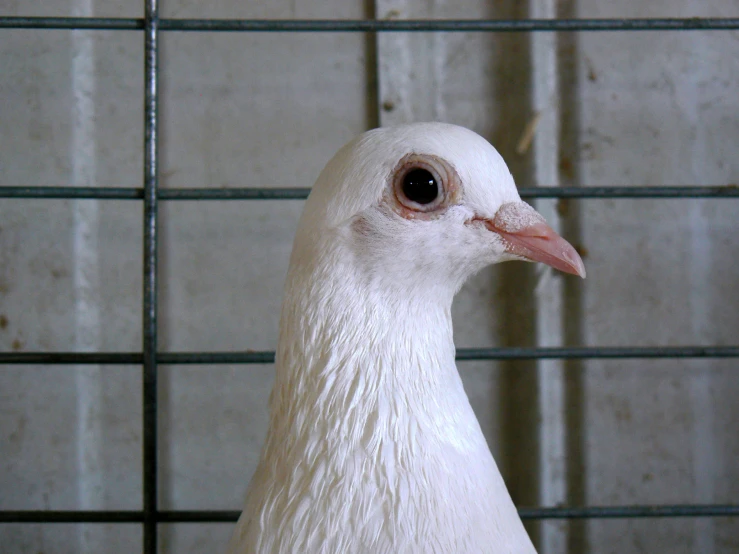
(372, 444)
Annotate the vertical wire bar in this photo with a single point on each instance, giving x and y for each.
(151, 24)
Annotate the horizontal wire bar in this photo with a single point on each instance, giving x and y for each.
(465, 25)
(103, 193)
(346, 25)
(597, 352)
(300, 193)
(463, 354)
(284, 193)
(604, 512)
(71, 516)
(229, 516)
(91, 23)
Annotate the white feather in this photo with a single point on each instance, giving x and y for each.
(372, 444)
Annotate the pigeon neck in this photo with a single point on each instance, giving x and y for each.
(350, 347)
(342, 321)
(367, 398)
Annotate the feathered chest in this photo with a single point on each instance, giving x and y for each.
(382, 482)
(358, 461)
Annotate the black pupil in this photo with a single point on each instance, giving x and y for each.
(420, 186)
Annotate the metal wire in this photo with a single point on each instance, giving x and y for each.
(300, 193)
(229, 516)
(151, 185)
(150, 193)
(463, 354)
(372, 25)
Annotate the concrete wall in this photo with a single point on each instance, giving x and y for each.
(270, 110)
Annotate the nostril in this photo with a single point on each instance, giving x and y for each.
(516, 216)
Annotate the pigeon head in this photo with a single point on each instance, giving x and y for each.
(427, 204)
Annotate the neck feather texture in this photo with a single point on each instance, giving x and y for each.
(372, 445)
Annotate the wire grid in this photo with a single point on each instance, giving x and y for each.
(150, 193)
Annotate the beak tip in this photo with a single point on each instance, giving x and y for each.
(579, 268)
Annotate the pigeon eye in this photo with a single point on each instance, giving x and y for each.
(423, 183)
(420, 186)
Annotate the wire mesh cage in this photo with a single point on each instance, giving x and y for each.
(152, 195)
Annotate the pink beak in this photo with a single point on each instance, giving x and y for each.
(526, 234)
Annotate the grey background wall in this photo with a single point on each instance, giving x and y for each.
(269, 110)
